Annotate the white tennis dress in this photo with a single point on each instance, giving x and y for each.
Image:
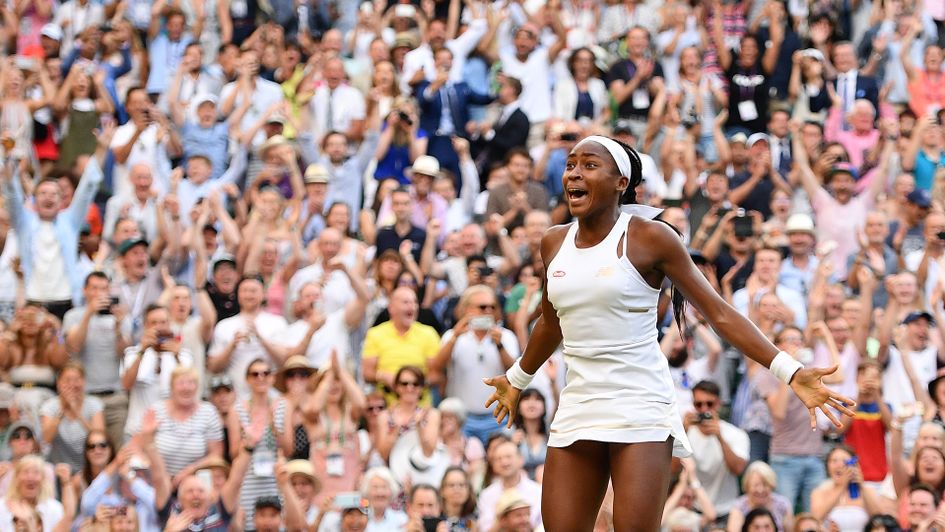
(619, 388)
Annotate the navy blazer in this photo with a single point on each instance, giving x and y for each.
(866, 88)
(460, 97)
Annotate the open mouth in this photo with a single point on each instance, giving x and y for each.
(576, 193)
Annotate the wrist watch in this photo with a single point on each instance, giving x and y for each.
(503, 232)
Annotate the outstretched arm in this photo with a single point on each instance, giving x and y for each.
(668, 254)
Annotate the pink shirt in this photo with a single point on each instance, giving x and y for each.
(856, 144)
(840, 223)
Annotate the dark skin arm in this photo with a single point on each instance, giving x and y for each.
(545, 337)
(667, 255)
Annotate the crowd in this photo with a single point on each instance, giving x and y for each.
(258, 255)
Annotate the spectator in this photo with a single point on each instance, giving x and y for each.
(252, 334)
(187, 430)
(843, 498)
(520, 195)
(758, 483)
(67, 419)
(405, 414)
(531, 432)
(397, 343)
(466, 452)
(458, 498)
(474, 348)
(148, 366)
(512, 127)
(507, 465)
(721, 449)
(30, 502)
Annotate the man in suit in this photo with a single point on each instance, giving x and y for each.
(444, 110)
(509, 131)
(850, 84)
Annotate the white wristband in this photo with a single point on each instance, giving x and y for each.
(517, 376)
(784, 366)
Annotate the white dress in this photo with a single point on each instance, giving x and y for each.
(619, 388)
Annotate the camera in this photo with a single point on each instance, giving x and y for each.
(569, 137)
(113, 300)
(405, 118)
(705, 416)
(485, 271)
(941, 235)
(743, 224)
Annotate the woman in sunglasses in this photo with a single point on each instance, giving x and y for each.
(98, 454)
(844, 498)
(336, 449)
(22, 442)
(406, 414)
(264, 420)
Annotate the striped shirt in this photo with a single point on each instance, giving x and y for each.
(182, 443)
(260, 480)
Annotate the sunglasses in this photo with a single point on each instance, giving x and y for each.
(297, 374)
(376, 408)
(96, 445)
(703, 404)
(484, 308)
(409, 384)
(22, 435)
(259, 374)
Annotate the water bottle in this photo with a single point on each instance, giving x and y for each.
(854, 487)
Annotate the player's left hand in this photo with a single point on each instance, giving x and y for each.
(809, 387)
(506, 396)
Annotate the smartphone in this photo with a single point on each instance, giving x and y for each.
(430, 524)
(743, 225)
(570, 137)
(485, 271)
(348, 499)
(113, 300)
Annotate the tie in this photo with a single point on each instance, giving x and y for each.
(846, 101)
(784, 161)
(330, 121)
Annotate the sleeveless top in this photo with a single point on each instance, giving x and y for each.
(619, 388)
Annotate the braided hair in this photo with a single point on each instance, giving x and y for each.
(629, 197)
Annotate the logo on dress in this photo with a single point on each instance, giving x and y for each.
(558, 273)
(606, 271)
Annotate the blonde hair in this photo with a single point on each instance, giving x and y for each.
(761, 469)
(469, 293)
(45, 487)
(184, 371)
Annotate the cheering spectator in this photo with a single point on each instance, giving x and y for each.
(758, 483)
(187, 429)
(67, 419)
(506, 464)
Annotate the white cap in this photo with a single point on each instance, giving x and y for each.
(799, 223)
(52, 31)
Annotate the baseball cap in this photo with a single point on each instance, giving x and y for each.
(126, 245)
(224, 259)
(844, 168)
(204, 98)
(755, 138)
(917, 315)
(813, 53)
(405, 39)
(738, 137)
(22, 425)
(270, 501)
(51, 31)
(920, 197)
(221, 381)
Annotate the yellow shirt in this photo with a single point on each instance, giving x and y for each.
(394, 351)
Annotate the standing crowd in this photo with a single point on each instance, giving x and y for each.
(257, 256)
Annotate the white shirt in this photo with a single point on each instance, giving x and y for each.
(913, 260)
(489, 498)
(897, 391)
(49, 281)
(333, 334)
(534, 73)
(146, 150)
(270, 326)
(79, 18)
(144, 214)
(421, 58)
(336, 293)
(149, 386)
(473, 360)
(719, 483)
(347, 105)
(265, 94)
(7, 277)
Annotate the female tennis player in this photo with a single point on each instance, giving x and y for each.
(617, 415)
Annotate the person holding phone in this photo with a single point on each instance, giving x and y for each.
(476, 348)
(147, 366)
(617, 415)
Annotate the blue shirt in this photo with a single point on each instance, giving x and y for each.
(164, 56)
(66, 225)
(210, 142)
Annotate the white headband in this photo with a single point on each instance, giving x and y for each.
(616, 151)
